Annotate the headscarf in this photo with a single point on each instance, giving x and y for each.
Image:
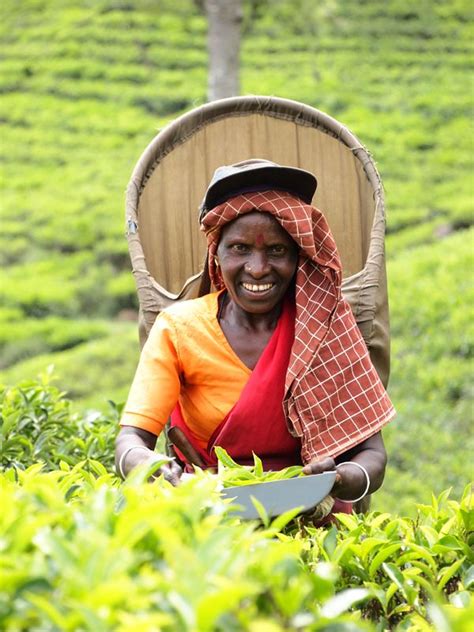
(334, 398)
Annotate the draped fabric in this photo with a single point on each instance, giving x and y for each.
(334, 398)
(256, 424)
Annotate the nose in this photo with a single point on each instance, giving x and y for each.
(257, 265)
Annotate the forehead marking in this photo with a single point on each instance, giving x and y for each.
(259, 239)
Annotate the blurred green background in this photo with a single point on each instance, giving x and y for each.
(85, 86)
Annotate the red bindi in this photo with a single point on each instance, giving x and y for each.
(259, 240)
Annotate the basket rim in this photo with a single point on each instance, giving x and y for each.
(182, 128)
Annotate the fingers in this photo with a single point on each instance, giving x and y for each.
(319, 466)
(172, 473)
(337, 484)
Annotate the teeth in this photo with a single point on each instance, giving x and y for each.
(257, 288)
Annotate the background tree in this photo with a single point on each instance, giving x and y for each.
(223, 43)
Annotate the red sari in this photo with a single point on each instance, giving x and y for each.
(257, 423)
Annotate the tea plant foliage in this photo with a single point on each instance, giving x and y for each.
(80, 551)
(37, 424)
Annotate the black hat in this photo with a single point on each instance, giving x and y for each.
(257, 175)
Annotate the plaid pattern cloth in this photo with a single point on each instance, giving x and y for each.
(334, 397)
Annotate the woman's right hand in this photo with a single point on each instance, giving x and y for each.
(135, 447)
(170, 471)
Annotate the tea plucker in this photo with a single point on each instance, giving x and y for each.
(272, 361)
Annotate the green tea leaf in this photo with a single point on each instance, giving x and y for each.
(49, 609)
(449, 572)
(281, 521)
(262, 512)
(461, 599)
(330, 541)
(381, 556)
(258, 465)
(224, 458)
(468, 577)
(398, 579)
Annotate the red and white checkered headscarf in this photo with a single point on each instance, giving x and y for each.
(334, 397)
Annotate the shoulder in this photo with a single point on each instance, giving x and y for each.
(180, 325)
(191, 312)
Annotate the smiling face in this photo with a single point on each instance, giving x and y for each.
(257, 259)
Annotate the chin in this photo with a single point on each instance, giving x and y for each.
(258, 307)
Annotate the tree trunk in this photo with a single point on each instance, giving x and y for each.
(223, 42)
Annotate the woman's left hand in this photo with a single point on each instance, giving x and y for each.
(347, 478)
(351, 482)
(318, 466)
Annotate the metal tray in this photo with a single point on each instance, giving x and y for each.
(280, 496)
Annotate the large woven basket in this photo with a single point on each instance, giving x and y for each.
(166, 246)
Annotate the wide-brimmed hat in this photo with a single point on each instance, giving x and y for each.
(257, 174)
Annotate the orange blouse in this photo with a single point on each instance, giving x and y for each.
(186, 358)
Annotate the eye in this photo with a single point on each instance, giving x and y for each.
(277, 250)
(239, 248)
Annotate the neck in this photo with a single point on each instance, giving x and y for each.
(235, 316)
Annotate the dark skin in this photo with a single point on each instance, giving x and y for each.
(254, 253)
(257, 260)
(130, 436)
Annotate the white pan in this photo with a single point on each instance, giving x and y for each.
(280, 496)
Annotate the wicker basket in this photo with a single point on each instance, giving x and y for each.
(166, 246)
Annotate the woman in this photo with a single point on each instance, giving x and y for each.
(272, 362)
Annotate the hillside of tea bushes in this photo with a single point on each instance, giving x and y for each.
(84, 87)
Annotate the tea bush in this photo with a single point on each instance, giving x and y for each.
(93, 372)
(37, 425)
(82, 552)
(405, 562)
(22, 337)
(431, 442)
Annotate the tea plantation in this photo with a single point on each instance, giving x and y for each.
(85, 85)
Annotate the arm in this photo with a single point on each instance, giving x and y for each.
(350, 480)
(153, 394)
(143, 444)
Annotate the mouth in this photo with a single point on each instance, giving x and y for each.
(257, 288)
